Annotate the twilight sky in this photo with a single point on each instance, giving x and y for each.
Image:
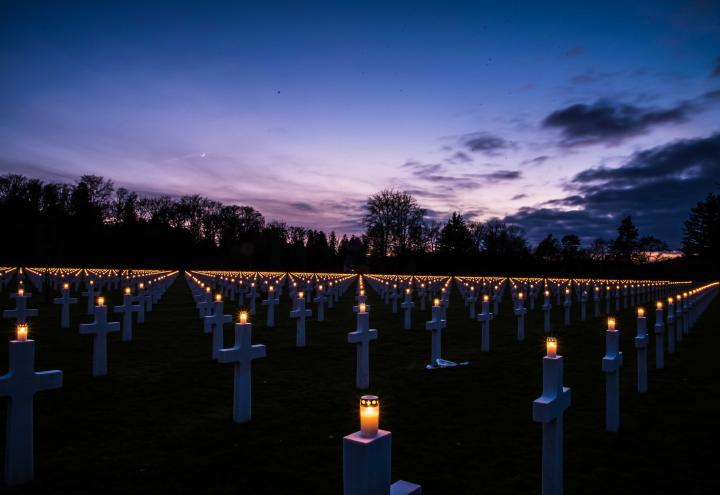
(558, 116)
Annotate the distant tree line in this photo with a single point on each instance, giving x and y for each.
(93, 223)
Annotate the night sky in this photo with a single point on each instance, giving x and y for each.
(558, 116)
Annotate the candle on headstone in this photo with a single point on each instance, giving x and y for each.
(218, 297)
(551, 347)
(243, 317)
(21, 291)
(66, 286)
(611, 324)
(22, 332)
(369, 415)
(436, 302)
(127, 290)
(100, 301)
(362, 308)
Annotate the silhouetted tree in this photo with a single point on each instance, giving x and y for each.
(701, 232)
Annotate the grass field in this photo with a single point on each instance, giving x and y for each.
(161, 421)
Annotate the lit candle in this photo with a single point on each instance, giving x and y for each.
(271, 288)
(362, 307)
(520, 296)
(362, 292)
(301, 295)
(21, 291)
(369, 415)
(66, 286)
(218, 297)
(551, 347)
(611, 324)
(658, 305)
(243, 317)
(127, 291)
(141, 285)
(641, 312)
(22, 332)
(436, 302)
(100, 301)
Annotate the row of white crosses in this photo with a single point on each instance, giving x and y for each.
(549, 408)
(240, 355)
(22, 382)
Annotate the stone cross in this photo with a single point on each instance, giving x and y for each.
(300, 313)
(583, 305)
(20, 385)
(21, 311)
(659, 338)
(611, 364)
(253, 297)
(90, 293)
(141, 303)
(214, 323)
(520, 311)
(435, 326)
(270, 302)
(394, 296)
(641, 341)
(671, 327)
(127, 308)
(407, 306)
(470, 300)
(321, 299)
(421, 296)
(546, 307)
(566, 305)
(548, 409)
(596, 301)
(485, 316)
(99, 329)
(205, 303)
(65, 300)
(362, 337)
(242, 355)
(674, 311)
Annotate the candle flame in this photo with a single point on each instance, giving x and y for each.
(22, 332)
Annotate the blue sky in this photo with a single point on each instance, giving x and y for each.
(559, 116)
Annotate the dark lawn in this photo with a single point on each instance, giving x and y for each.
(161, 421)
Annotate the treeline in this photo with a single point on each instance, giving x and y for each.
(94, 223)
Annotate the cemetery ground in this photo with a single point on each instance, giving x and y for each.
(161, 420)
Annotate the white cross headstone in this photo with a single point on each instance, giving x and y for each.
(214, 323)
(361, 299)
(470, 300)
(407, 306)
(546, 307)
(20, 384)
(583, 305)
(394, 296)
(242, 355)
(320, 299)
(300, 313)
(362, 337)
(548, 409)
(671, 328)
(596, 301)
(271, 301)
(641, 341)
(611, 364)
(99, 329)
(485, 316)
(141, 303)
(127, 308)
(520, 311)
(90, 293)
(65, 300)
(21, 312)
(659, 338)
(435, 326)
(567, 303)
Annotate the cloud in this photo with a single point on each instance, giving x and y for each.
(613, 122)
(459, 157)
(302, 206)
(657, 186)
(486, 143)
(519, 196)
(538, 160)
(500, 175)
